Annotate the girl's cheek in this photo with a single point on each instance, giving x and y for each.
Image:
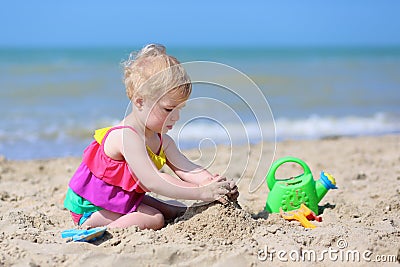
(160, 116)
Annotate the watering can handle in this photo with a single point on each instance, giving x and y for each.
(271, 174)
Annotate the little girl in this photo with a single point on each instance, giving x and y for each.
(124, 161)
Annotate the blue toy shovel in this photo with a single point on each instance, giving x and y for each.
(88, 235)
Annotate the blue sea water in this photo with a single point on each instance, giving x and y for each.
(51, 100)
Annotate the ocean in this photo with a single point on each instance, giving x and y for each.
(51, 100)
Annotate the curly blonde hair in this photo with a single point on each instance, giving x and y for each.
(152, 73)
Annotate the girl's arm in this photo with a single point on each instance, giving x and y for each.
(190, 172)
(182, 166)
(133, 149)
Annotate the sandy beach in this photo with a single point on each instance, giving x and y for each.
(362, 216)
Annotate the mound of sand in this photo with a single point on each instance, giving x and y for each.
(215, 223)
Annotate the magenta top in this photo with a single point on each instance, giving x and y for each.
(104, 182)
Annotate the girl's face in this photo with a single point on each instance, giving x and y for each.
(163, 114)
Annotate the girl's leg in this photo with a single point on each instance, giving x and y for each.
(101, 218)
(145, 217)
(170, 210)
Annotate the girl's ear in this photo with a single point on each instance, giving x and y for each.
(138, 102)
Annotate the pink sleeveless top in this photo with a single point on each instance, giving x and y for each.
(105, 182)
(113, 172)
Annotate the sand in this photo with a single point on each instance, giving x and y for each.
(360, 218)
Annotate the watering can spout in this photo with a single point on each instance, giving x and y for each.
(322, 186)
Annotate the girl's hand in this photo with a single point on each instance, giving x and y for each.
(233, 193)
(215, 188)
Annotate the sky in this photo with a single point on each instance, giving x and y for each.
(74, 23)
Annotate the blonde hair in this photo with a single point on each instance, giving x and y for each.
(152, 73)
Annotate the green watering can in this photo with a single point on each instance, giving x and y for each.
(290, 193)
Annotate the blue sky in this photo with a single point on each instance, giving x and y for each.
(200, 23)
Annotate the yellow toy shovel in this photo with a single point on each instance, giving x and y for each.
(303, 215)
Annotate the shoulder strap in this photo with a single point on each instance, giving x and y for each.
(161, 144)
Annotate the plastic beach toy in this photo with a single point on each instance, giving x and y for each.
(288, 194)
(84, 235)
(303, 215)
